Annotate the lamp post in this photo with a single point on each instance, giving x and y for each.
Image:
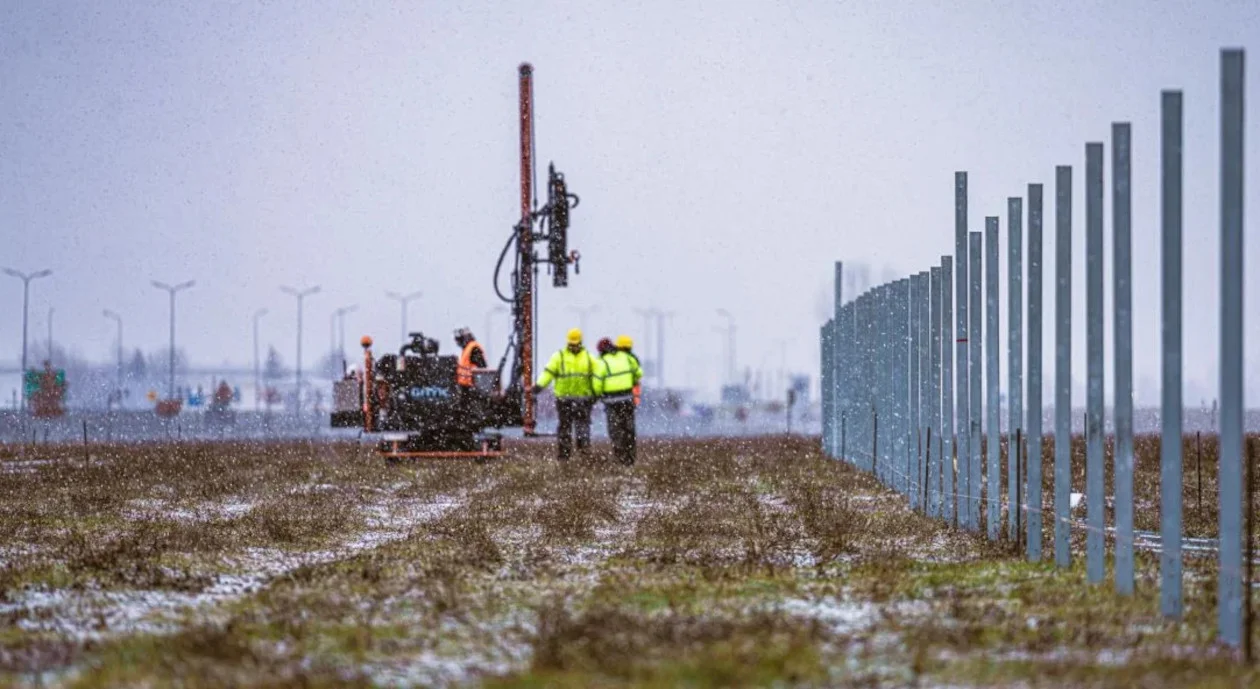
(257, 362)
(51, 311)
(26, 279)
(339, 318)
(300, 295)
(403, 300)
(118, 320)
(730, 345)
(172, 290)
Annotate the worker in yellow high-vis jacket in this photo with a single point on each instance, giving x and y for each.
(617, 374)
(572, 370)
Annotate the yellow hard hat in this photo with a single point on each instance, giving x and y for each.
(575, 336)
(624, 342)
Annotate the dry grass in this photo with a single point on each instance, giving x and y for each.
(716, 563)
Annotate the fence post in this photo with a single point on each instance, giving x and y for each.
(1123, 297)
(836, 355)
(1063, 365)
(1230, 584)
(1034, 422)
(1015, 356)
(925, 373)
(947, 391)
(916, 423)
(937, 468)
(992, 373)
(975, 350)
(824, 372)
(964, 374)
(1171, 403)
(1094, 457)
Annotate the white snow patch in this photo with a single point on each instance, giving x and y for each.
(92, 614)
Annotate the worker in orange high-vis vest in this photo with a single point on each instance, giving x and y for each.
(472, 356)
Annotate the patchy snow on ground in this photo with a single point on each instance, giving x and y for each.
(95, 614)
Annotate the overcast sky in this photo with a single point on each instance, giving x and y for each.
(725, 153)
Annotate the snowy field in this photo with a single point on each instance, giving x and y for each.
(711, 563)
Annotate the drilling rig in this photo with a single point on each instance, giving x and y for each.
(410, 401)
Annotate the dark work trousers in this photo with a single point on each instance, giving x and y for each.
(620, 417)
(574, 424)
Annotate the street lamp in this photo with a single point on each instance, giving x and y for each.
(257, 363)
(730, 345)
(659, 361)
(26, 279)
(582, 313)
(51, 311)
(172, 290)
(300, 295)
(403, 300)
(339, 345)
(118, 320)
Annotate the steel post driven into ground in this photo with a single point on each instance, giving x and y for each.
(888, 449)
(1122, 295)
(881, 388)
(992, 379)
(1062, 364)
(1034, 500)
(1229, 577)
(1095, 556)
(925, 372)
(975, 350)
(964, 376)
(1015, 359)
(916, 423)
(948, 486)
(937, 466)
(902, 374)
(1171, 402)
(824, 372)
(836, 359)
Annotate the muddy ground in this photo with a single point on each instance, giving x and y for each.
(719, 563)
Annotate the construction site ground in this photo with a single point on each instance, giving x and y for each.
(710, 563)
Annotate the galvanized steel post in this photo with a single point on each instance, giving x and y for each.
(825, 344)
(1015, 358)
(947, 393)
(992, 373)
(1171, 401)
(925, 372)
(1063, 365)
(1094, 554)
(1229, 578)
(1034, 501)
(975, 349)
(937, 465)
(916, 448)
(835, 358)
(964, 375)
(901, 454)
(1122, 295)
